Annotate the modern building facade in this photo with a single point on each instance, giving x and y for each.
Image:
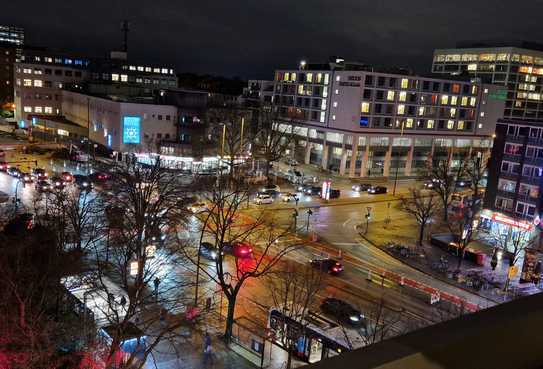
(41, 75)
(258, 91)
(515, 176)
(517, 66)
(360, 122)
(12, 35)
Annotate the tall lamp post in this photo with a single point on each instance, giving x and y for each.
(397, 165)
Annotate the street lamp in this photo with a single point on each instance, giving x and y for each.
(397, 164)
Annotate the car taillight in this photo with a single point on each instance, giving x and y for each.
(335, 269)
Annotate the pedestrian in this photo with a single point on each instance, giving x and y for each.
(207, 349)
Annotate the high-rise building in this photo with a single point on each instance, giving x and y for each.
(357, 121)
(41, 75)
(518, 66)
(11, 44)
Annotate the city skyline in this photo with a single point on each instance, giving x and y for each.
(242, 39)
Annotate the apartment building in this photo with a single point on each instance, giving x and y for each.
(357, 121)
(11, 44)
(518, 66)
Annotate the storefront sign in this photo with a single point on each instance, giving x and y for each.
(512, 222)
(131, 130)
(326, 186)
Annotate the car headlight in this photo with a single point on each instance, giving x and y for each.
(354, 318)
(213, 255)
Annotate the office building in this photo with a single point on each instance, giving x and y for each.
(515, 177)
(517, 66)
(258, 91)
(359, 122)
(11, 44)
(41, 75)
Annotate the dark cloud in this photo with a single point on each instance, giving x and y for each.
(251, 38)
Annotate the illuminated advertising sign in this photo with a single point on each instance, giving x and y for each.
(131, 130)
(511, 222)
(325, 193)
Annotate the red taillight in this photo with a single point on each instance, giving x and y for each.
(335, 269)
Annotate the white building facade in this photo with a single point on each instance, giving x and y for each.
(361, 123)
(121, 126)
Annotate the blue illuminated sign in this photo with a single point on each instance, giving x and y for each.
(131, 130)
(109, 140)
(364, 121)
(34, 121)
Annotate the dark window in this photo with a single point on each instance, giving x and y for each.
(159, 135)
(78, 74)
(378, 108)
(446, 87)
(68, 73)
(47, 71)
(168, 117)
(435, 86)
(426, 85)
(392, 82)
(380, 94)
(367, 94)
(159, 117)
(369, 80)
(58, 72)
(381, 81)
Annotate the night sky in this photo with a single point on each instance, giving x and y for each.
(251, 38)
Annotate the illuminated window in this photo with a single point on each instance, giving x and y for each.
(365, 107)
(38, 109)
(464, 101)
(430, 124)
(286, 77)
(309, 77)
(401, 109)
(402, 96)
(323, 115)
(409, 123)
(460, 124)
(27, 82)
(140, 68)
(338, 78)
(450, 124)
(487, 57)
(300, 89)
(323, 104)
(148, 69)
(482, 114)
(37, 71)
(293, 77)
(390, 95)
(156, 70)
(164, 70)
(456, 88)
(336, 92)
(473, 90)
(472, 101)
(124, 78)
(444, 99)
(18, 81)
(325, 92)
(502, 57)
(405, 83)
(453, 112)
(472, 66)
(326, 78)
(480, 125)
(319, 77)
(333, 117)
(421, 110)
(114, 77)
(334, 104)
(27, 109)
(27, 71)
(48, 110)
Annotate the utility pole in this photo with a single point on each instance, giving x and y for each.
(309, 213)
(368, 217)
(295, 216)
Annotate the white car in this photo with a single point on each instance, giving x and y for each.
(263, 199)
(288, 197)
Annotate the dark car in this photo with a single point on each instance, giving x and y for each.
(241, 250)
(57, 182)
(208, 251)
(313, 190)
(463, 183)
(39, 173)
(14, 172)
(377, 190)
(21, 224)
(100, 177)
(343, 312)
(43, 186)
(83, 182)
(67, 177)
(26, 177)
(361, 187)
(328, 265)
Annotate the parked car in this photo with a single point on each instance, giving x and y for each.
(463, 183)
(241, 250)
(263, 198)
(67, 177)
(343, 312)
(361, 187)
(377, 190)
(328, 265)
(208, 251)
(42, 186)
(313, 190)
(83, 182)
(271, 189)
(4, 166)
(289, 196)
(39, 173)
(14, 172)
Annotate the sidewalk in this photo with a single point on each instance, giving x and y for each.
(440, 264)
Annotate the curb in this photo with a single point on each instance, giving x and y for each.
(444, 280)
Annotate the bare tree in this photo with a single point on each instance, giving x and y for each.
(273, 138)
(256, 247)
(145, 203)
(293, 290)
(444, 179)
(513, 243)
(422, 207)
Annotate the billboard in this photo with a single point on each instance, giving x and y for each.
(131, 129)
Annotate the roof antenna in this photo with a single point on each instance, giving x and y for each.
(125, 28)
